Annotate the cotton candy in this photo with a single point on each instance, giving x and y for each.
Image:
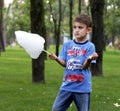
(32, 43)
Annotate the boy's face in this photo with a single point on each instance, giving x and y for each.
(80, 31)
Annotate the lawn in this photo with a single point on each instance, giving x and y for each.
(18, 93)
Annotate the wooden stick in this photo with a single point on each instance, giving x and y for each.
(46, 51)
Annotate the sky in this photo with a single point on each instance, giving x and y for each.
(7, 2)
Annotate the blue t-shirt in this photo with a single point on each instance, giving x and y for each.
(76, 79)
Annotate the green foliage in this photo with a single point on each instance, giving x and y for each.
(18, 93)
(112, 18)
(17, 18)
(53, 14)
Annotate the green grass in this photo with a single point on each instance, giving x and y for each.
(18, 93)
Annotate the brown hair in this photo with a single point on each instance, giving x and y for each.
(83, 18)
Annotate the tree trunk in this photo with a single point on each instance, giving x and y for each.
(38, 26)
(57, 25)
(2, 45)
(70, 20)
(97, 8)
(79, 7)
(58, 30)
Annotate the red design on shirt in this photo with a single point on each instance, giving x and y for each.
(74, 78)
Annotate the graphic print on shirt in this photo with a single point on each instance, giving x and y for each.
(75, 57)
(76, 51)
(74, 62)
(74, 78)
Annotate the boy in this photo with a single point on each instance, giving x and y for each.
(76, 56)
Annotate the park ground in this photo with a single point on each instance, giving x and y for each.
(18, 93)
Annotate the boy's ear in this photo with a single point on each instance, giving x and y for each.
(89, 29)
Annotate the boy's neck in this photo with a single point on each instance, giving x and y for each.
(81, 40)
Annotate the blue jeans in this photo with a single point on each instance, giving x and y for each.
(65, 98)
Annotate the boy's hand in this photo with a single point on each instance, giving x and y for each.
(60, 61)
(53, 56)
(93, 57)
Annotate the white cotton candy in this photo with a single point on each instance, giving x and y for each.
(32, 43)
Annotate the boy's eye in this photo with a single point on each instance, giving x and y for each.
(80, 27)
(74, 27)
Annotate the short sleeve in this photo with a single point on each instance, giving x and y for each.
(63, 53)
(91, 50)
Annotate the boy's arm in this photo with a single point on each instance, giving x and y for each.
(89, 59)
(60, 61)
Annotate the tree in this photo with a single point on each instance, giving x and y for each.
(38, 26)
(111, 25)
(58, 30)
(70, 19)
(56, 16)
(2, 45)
(17, 17)
(97, 8)
(79, 7)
